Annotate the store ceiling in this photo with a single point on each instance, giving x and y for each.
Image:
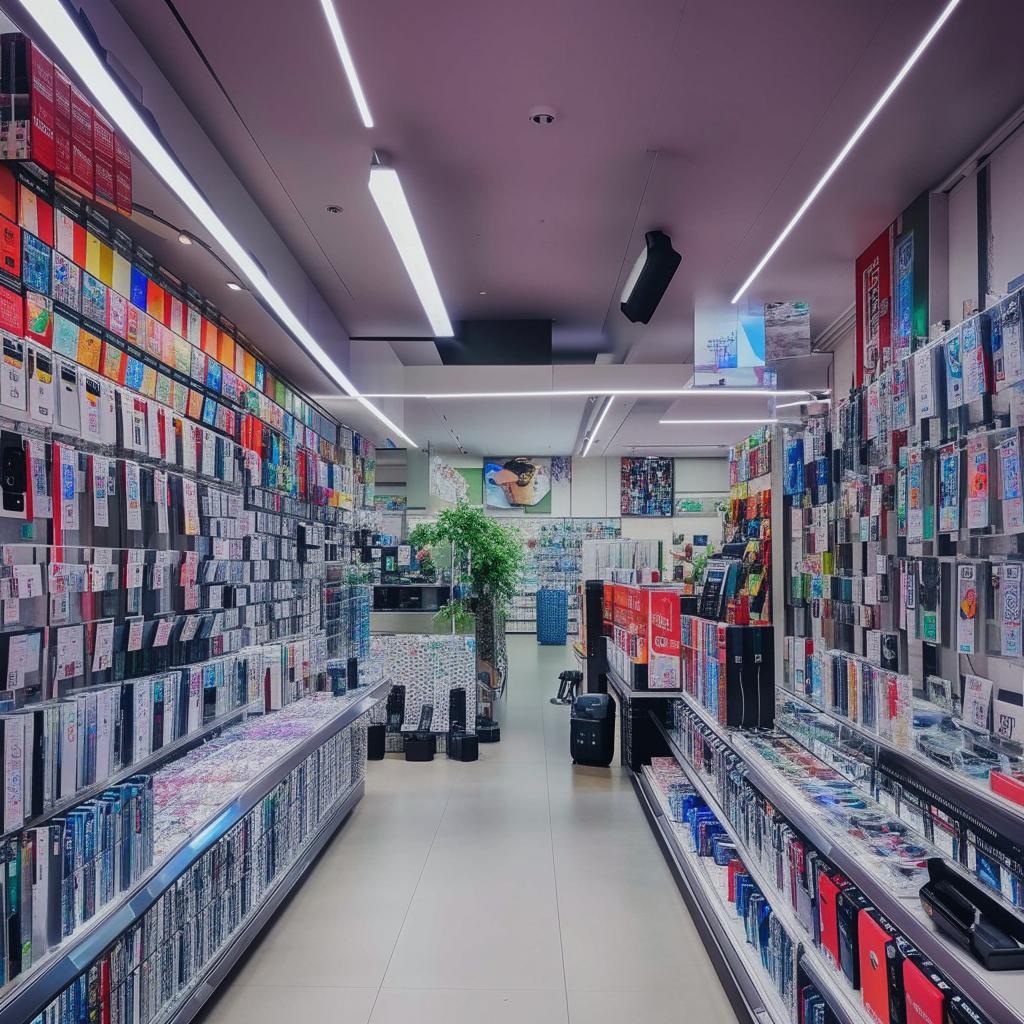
(710, 120)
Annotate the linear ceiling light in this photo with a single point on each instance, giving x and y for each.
(346, 62)
(806, 401)
(56, 21)
(386, 189)
(597, 427)
(584, 392)
(694, 423)
(850, 143)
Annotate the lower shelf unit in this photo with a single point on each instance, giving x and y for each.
(998, 994)
(31, 996)
(742, 978)
(830, 983)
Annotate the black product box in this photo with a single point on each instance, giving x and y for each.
(750, 677)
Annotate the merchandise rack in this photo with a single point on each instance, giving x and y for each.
(626, 692)
(155, 760)
(742, 977)
(999, 994)
(829, 981)
(29, 993)
(1000, 814)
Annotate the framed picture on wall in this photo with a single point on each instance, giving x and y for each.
(518, 482)
(647, 486)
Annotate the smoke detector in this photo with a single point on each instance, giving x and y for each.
(542, 115)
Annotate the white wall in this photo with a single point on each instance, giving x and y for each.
(1006, 238)
(963, 247)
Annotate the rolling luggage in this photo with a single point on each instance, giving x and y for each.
(592, 730)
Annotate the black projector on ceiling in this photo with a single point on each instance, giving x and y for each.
(649, 278)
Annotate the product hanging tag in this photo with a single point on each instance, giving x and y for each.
(973, 353)
(100, 473)
(954, 369)
(977, 483)
(1010, 612)
(1011, 493)
(949, 489)
(967, 607)
(915, 495)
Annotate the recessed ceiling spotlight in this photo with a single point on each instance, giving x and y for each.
(234, 286)
(483, 293)
(334, 208)
(542, 115)
(184, 237)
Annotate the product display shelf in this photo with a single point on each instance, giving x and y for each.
(1005, 817)
(749, 989)
(147, 764)
(626, 692)
(1000, 994)
(28, 994)
(830, 982)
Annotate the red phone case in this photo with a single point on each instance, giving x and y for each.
(874, 982)
(926, 1002)
(828, 891)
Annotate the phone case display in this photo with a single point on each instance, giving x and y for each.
(429, 671)
(48, 121)
(730, 671)
(852, 954)
(747, 530)
(648, 486)
(742, 916)
(167, 508)
(903, 594)
(202, 895)
(642, 626)
(553, 553)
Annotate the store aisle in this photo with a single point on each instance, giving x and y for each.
(516, 889)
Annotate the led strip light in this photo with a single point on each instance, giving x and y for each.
(56, 22)
(850, 143)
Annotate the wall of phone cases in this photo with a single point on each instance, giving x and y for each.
(553, 557)
(160, 959)
(747, 522)
(175, 536)
(904, 558)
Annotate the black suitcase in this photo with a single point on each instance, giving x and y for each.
(592, 730)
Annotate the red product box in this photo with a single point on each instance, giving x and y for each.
(12, 311)
(828, 894)
(103, 160)
(925, 992)
(27, 119)
(876, 936)
(10, 247)
(122, 175)
(1009, 786)
(61, 125)
(83, 174)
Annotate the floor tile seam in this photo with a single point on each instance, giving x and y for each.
(412, 899)
(554, 867)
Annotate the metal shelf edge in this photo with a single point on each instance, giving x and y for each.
(999, 814)
(964, 972)
(840, 1000)
(742, 986)
(235, 948)
(23, 1002)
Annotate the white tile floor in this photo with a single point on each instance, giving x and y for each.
(515, 889)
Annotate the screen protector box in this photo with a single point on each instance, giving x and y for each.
(27, 115)
(83, 173)
(664, 641)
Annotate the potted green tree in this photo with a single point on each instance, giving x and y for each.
(486, 563)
